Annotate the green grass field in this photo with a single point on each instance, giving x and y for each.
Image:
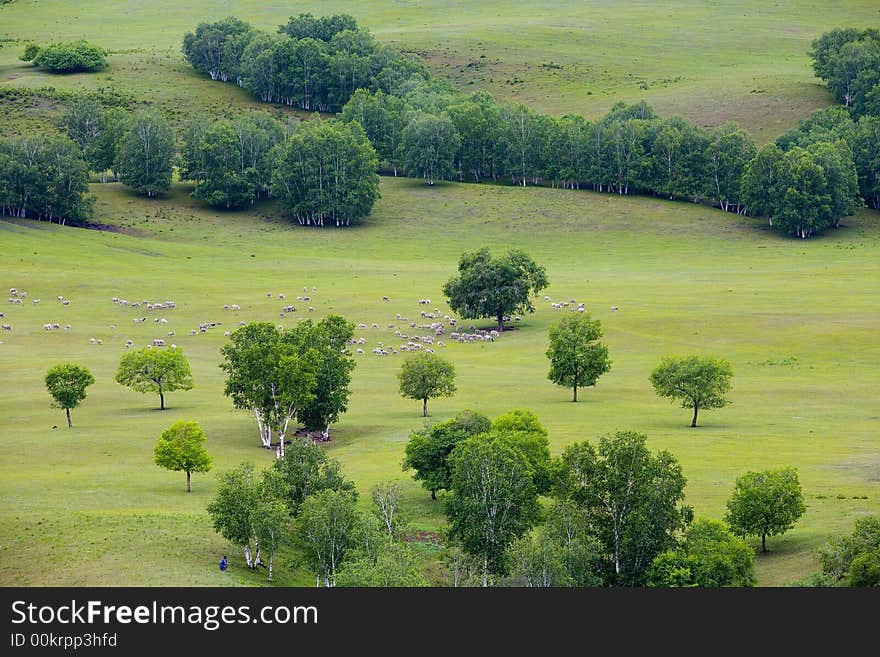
(710, 62)
(797, 319)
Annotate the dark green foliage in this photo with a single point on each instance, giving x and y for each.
(230, 161)
(493, 501)
(765, 504)
(68, 57)
(709, 555)
(217, 48)
(326, 531)
(325, 172)
(304, 470)
(394, 564)
(381, 116)
(45, 178)
(429, 143)
(854, 559)
(629, 498)
(146, 153)
(489, 286)
(428, 450)
(312, 63)
(848, 60)
(521, 430)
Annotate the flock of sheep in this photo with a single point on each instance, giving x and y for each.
(424, 334)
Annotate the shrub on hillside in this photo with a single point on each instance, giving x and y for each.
(67, 57)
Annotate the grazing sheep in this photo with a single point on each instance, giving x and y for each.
(613, 307)
(91, 340)
(67, 327)
(307, 298)
(385, 298)
(158, 342)
(170, 333)
(7, 327)
(268, 294)
(227, 333)
(48, 327)
(225, 306)
(359, 351)
(36, 300)
(241, 323)
(311, 310)
(100, 341)
(235, 306)
(281, 296)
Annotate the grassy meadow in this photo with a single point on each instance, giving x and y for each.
(798, 319)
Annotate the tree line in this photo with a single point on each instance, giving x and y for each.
(313, 63)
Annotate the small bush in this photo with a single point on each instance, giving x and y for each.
(69, 57)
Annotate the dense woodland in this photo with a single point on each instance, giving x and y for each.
(394, 117)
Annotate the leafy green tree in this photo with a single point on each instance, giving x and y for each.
(155, 370)
(323, 28)
(848, 559)
(326, 530)
(488, 286)
(477, 120)
(764, 182)
(272, 374)
(395, 564)
(231, 510)
(271, 525)
(67, 384)
(326, 172)
(31, 50)
(217, 48)
(425, 376)
(146, 152)
(538, 561)
(104, 152)
(429, 143)
(700, 382)
(765, 504)
(182, 447)
(386, 497)
(866, 157)
(568, 527)
(709, 556)
(728, 153)
(427, 451)
(69, 57)
(577, 358)
(493, 501)
(305, 469)
(381, 116)
(521, 429)
(330, 338)
(630, 498)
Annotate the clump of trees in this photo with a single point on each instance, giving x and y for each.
(310, 63)
(848, 59)
(299, 374)
(44, 177)
(67, 57)
(854, 559)
(325, 172)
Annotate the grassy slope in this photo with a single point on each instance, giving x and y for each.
(796, 318)
(710, 62)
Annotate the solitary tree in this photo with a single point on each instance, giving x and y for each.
(67, 384)
(493, 502)
(487, 286)
(699, 382)
(155, 370)
(577, 358)
(425, 376)
(765, 504)
(182, 447)
(428, 450)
